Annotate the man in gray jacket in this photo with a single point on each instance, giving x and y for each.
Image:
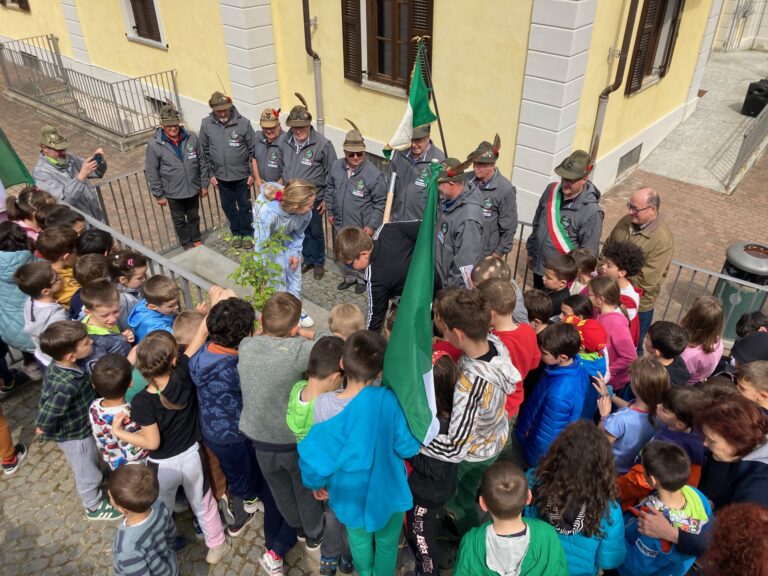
(356, 194)
(172, 166)
(267, 151)
(459, 227)
(307, 154)
(227, 144)
(412, 168)
(65, 175)
(499, 199)
(568, 216)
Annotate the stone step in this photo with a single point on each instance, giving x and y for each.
(217, 268)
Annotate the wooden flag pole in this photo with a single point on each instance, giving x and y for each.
(422, 40)
(390, 199)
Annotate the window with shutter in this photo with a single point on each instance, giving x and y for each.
(350, 27)
(389, 27)
(145, 20)
(20, 4)
(655, 42)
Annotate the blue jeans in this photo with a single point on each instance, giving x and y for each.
(645, 319)
(236, 203)
(278, 534)
(240, 467)
(314, 239)
(288, 280)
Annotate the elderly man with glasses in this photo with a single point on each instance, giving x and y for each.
(643, 227)
(356, 194)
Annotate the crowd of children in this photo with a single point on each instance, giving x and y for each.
(559, 451)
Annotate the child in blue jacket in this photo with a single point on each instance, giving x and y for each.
(558, 398)
(286, 211)
(667, 468)
(354, 456)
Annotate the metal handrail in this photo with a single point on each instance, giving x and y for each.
(33, 67)
(193, 287)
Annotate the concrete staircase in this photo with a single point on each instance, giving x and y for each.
(217, 268)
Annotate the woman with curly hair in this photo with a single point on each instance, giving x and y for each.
(574, 489)
(739, 545)
(736, 435)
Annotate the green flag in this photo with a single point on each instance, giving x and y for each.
(408, 359)
(418, 112)
(12, 169)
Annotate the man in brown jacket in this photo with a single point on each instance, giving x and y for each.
(644, 228)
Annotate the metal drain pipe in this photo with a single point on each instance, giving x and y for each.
(320, 120)
(602, 103)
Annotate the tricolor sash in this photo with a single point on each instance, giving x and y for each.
(557, 232)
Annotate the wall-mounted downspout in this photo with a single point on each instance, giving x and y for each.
(602, 103)
(316, 64)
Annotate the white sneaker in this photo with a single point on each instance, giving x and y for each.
(271, 563)
(306, 320)
(253, 506)
(218, 553)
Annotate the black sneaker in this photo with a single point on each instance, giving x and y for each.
(21, 453)
(306, 267)
(359, 288)
(235, 531)
(313, 544)
(345, 285)
(301, 535)
(345, 565)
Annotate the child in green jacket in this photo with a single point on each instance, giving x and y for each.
(509, 544)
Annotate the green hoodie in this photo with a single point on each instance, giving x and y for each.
(543, 557)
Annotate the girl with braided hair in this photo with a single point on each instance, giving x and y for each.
(574, 490)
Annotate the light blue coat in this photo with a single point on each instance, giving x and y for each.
(586, 555)
(12, 301)
(269, 218)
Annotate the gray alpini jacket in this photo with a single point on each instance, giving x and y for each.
(64, 185)
(499, 199)
(410, 186)
(582, 219)
(226, 150)
(268, 157)
(357, 200)
(459, 236)
(173, 173)
(312, 161)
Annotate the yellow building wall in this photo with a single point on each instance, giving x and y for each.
(478, 63)
(44, 17)
(195, 39)
(629, 115)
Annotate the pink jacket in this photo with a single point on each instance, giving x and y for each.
(620, 347)
(701, 364)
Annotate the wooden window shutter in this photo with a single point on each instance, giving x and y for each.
(23, 5)
(146, 19)
(419, 24)
(643, 45)
(350, 31)
(672, 40)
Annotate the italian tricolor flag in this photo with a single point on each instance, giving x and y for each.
(418, 112)
(408, 359)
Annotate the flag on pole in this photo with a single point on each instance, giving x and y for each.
(418, 112)
(408, 359)
(12, 169)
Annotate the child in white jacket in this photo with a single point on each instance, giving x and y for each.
(286, 211)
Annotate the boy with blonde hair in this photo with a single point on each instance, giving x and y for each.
(101, 303)
(345, 319)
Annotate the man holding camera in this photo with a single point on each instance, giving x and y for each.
(65, 175)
